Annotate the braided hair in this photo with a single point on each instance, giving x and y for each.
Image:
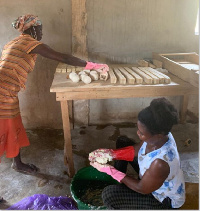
(159, 117)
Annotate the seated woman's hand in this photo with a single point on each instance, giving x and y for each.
(101, 156)
(110, 170)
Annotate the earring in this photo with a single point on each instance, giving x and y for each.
(35, 34)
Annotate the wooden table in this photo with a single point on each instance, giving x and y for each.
(66, 91)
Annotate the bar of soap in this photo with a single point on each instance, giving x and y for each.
(74, 77)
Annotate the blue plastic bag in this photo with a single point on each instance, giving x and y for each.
(44, 202)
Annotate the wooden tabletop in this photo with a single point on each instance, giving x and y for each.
(68, 90)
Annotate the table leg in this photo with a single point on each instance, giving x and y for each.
(71, 113)
(68, 157)
(184, 105)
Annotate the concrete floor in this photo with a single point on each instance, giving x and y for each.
(46, 152)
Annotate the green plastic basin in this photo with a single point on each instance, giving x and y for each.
(80, 182)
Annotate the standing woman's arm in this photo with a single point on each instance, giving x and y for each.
(45, 51)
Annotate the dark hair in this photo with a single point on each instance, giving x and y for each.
(159, 117)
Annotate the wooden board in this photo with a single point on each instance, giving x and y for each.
(143, 63)
(113, 78)
(177, 69)
(157, 63)
(79, 30)
(121, 78)
(152, 65)
(137, 77)
(61, 68)
(154, 77)
(147, 79)
(162, 76)
(156, 73)
(129, 77)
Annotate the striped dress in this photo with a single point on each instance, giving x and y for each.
(15, 64)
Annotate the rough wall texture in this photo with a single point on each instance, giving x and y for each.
(119, 32)
(124, 31)
(38, 106)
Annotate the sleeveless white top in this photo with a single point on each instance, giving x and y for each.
(174, 186)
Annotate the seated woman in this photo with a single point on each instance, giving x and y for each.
(160, 184)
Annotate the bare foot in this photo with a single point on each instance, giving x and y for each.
(25, 168)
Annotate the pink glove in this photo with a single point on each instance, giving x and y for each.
(105, 155)
(110, 170)
(102, 68)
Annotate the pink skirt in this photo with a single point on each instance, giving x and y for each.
(12, 136)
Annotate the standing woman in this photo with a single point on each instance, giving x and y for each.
(17, 60)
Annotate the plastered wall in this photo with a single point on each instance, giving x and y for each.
(119, 32)
(38, 106)
(124, 31)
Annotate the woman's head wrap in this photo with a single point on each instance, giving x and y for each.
(24, 22)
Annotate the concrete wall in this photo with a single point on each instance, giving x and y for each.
(119, 32)
(38, 106)
(124, 31)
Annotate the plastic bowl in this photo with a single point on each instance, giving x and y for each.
(80, 182)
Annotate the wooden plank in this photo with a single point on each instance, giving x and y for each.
(129, 77)
(68, 157)
(194, 78)
(71, 114)
(192, 57)
(157, 63)
(175, 68)
(166, 78)
(156, 73)
(113, 78)
(138, 78)
(142, 63)
(79, 69)
(147, 79)
(177, 54)
(152, 65)
(122, 79)
(174, 89)
(69, 70)
(154, 77)
(79, 30)
(79, 43)
(61, 68)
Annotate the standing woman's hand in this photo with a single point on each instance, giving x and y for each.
(101, 68)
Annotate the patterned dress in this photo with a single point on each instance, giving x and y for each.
(15, 64)
(174, 185)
